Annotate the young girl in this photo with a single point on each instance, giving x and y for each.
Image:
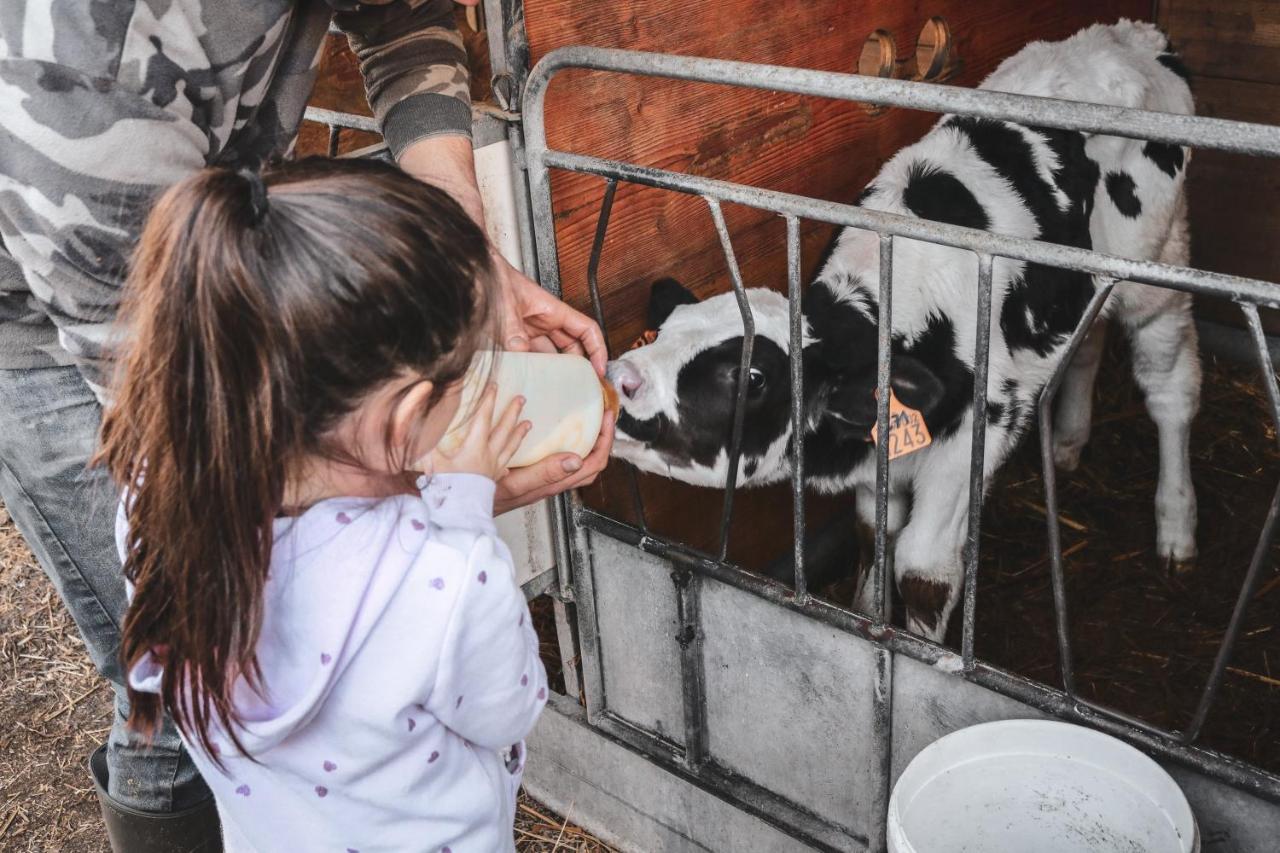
(349, 658)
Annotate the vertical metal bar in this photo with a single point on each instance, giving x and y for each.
(597, 307)
(560, 545)
(882, 704)
(334, 132)
(744, 369)
(585, 603)
(693, 680)
(882, 737)
(1264, 361)
(1045, 410)
(796, 353)
(597, 247)
(884, 356)
(567, 647)
(977, 456)
(1260, 552)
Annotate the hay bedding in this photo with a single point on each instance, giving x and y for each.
(1143, 640)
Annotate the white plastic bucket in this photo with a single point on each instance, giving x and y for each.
(1035, 786)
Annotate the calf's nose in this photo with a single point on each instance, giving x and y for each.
(625, 377)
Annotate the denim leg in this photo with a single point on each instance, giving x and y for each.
(66, 512)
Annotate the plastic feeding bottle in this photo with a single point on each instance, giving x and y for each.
(565, 402)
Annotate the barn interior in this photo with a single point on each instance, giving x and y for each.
(1144, 638)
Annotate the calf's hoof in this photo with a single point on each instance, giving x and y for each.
(1066, 456)
(1176, 568)
(928, 603)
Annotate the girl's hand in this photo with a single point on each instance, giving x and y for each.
(487, 447)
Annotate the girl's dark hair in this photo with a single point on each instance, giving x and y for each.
(256, 317)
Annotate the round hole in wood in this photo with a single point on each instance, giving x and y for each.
(878, 54)
(933, 48)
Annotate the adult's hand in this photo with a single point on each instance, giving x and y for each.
(535, 320)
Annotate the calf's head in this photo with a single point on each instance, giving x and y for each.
(678, 393)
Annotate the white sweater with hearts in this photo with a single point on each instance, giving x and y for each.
(400, 669)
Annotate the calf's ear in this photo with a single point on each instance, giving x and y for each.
(849, 396)
(665, 296)
(916, 385)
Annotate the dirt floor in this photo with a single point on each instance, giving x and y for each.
(54, 710)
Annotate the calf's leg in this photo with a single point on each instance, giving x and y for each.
(1166, 365)
(1073, 407)
(928, 558)
(867, 539)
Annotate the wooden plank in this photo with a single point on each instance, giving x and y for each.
(1234, 218)
(1233, 39)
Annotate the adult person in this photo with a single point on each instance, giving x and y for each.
(102, 105)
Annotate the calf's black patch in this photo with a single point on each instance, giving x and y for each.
(1168, 158)
(1121, 188)
(936, 194)
(1004, 148)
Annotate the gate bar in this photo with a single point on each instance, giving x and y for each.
(977, 457)
(744, 370)
(1196, 131)
(1263, 293)
(796, 345)
(1045, 413)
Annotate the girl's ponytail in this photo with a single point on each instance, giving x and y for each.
(257, 315)
(194, 435)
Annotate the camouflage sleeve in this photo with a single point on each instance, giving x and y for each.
(414, 67)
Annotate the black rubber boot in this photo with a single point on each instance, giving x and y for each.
(192, 830)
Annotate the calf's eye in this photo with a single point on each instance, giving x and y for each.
(756, 381)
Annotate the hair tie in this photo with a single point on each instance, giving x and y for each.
(257, 194)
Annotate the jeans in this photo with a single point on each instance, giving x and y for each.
(66, 511)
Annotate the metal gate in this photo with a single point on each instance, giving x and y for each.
(847, 697)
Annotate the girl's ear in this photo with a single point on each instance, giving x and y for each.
(406, 417)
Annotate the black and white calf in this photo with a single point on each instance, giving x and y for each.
(1119, 196)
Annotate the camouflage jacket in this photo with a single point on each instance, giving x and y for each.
(104, 103)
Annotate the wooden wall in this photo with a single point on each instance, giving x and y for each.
(1232, 48)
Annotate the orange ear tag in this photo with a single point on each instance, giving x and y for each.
(649, 336)
(907, 430)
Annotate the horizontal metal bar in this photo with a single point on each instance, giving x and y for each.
(1196, 131)
(1264, 293)
(333, 118)
(1163, 745)
(539, 584)
(355, 121)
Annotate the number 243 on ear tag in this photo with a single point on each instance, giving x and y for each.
(907, 430)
